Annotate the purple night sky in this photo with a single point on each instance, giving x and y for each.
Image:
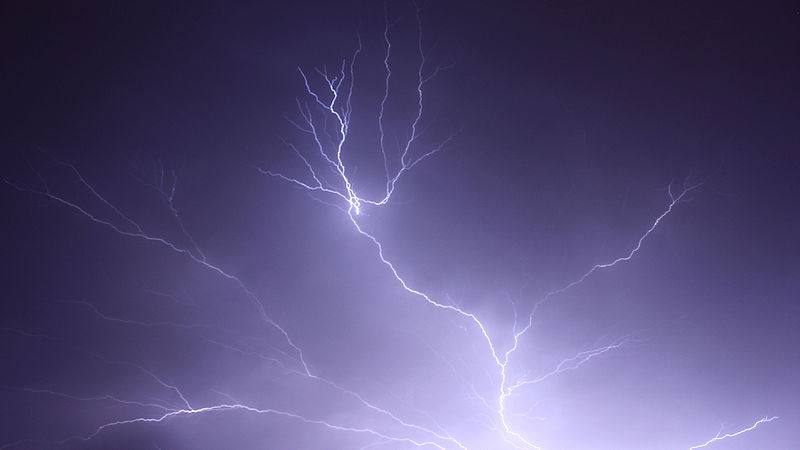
(565, 226)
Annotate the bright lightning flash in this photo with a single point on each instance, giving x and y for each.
(330, 179)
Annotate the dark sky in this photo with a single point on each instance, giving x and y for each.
(143, 250)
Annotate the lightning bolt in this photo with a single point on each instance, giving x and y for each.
(329, 178)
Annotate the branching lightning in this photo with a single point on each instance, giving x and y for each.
(329, 176)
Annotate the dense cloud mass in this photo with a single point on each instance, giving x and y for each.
(346, 225)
